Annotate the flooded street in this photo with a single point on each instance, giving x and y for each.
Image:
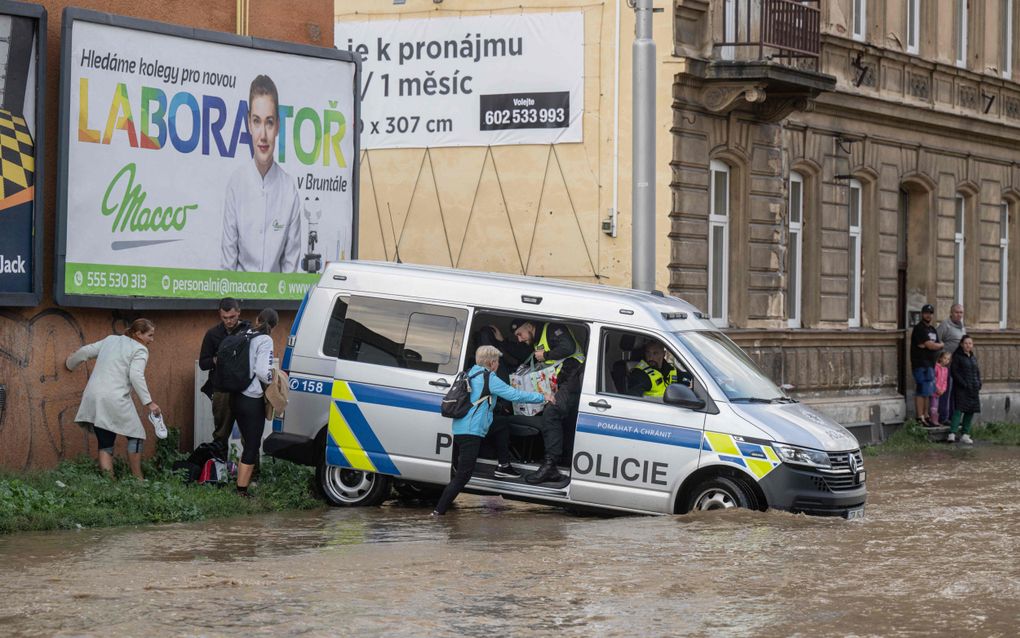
(937, 554)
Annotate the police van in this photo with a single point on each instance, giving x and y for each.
(375, 346)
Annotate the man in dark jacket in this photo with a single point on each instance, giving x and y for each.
(924, 349)
(552, 344)
(230, 323)
(513, 355)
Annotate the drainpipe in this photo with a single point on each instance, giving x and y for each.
(242, 17)
(615, 211)
(643, 183)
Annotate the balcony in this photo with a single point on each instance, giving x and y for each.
(786, 32)
(761, 55)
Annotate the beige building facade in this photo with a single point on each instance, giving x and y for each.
(526, 209)
(841, 210)
(824, 169)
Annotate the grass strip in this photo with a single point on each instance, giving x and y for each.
(912, 437)
(996, 432)
(76, 495)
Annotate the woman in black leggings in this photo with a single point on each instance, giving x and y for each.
(249, 407)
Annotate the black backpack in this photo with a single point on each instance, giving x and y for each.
(457, 401)
(233, 367)
(204, 453)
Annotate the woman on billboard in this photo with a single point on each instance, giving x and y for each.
(262, 210)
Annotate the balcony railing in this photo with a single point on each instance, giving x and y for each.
(783, 31)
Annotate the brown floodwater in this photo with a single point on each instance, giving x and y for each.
(938, 553)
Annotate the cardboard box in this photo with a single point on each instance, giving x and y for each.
(541, 380)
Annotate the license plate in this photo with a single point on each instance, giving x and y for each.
(855, 513)
(861, 476)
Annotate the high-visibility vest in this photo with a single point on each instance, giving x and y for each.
(543, 344)
(658, 382)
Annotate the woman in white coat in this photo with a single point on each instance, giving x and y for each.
(106, 407)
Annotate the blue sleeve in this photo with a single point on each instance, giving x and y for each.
(499, 388)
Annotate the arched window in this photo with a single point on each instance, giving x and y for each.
(854, 255)
(719, 243)
(958, 248)
(794, 251)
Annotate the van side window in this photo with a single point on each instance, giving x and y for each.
(430, 338)
(335, 328)
(639, 365)
(402, 334)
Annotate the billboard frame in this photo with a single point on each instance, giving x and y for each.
(70, 16)
(38, 13)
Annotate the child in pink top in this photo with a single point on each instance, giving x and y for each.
(941, 383)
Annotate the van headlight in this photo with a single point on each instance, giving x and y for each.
(801, 456)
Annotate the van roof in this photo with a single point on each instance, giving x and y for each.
(558, 298)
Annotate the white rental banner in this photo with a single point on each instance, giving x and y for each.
(470, 81)
(198, 169)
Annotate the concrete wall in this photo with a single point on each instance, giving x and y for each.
(36, 428)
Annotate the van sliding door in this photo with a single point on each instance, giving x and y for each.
(397, 359)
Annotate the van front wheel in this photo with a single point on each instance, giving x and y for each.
(717, 493)
(345, 487)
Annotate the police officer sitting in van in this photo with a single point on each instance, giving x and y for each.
(553, 344)
(654, 373)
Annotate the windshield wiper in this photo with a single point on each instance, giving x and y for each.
(761, 400)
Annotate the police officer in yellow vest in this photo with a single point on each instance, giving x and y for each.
(654, 373)
(554, 344)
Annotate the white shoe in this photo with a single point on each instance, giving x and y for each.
(157, 424)
(951, 438)
(966, 440)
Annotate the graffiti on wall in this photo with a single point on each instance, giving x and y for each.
(37, 426)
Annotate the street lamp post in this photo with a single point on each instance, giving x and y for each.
(643, 187)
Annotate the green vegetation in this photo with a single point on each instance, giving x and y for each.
(76, 494)
(912, 437)
(1000, 433)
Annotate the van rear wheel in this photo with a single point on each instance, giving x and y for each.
(345, 487)
(717, 493)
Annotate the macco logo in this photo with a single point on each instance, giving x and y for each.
(127, 199)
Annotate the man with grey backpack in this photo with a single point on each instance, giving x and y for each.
(473, 426)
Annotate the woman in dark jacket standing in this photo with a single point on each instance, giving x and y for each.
(966, 386)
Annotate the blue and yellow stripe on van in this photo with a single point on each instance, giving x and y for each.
(350, 440)
(758, 459)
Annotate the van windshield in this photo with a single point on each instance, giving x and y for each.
(734, 371)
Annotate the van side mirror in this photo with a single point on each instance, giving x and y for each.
(682, 396)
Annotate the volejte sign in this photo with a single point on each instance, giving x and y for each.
(199, 169)
(470, 81)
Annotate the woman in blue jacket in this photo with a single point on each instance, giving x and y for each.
(468, 431)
